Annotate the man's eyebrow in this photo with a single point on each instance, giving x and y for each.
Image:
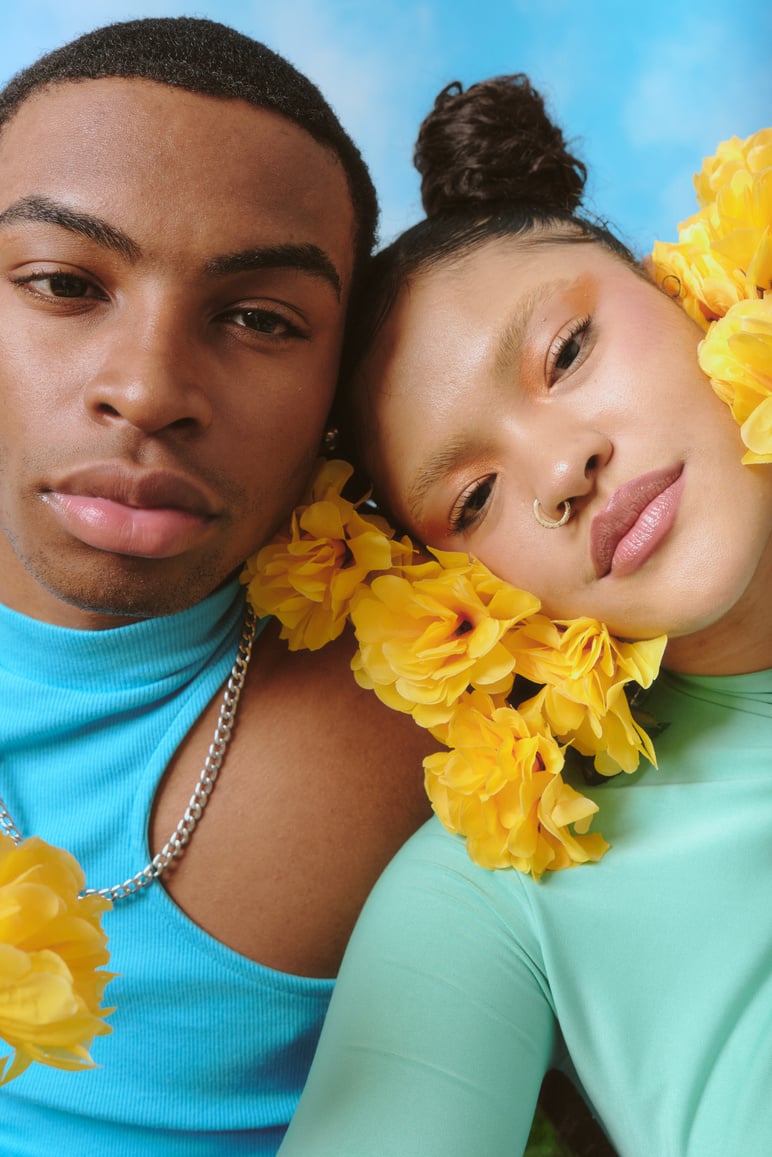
(448, 458)
(512, 336)
(307, 258)
(85, 224)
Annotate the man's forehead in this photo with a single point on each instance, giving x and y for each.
(143, 155)
(98, 97)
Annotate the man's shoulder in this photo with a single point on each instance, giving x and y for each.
(318, 688)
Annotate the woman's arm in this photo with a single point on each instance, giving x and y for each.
(440, 1030)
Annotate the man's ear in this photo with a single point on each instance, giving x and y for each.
(649, 268)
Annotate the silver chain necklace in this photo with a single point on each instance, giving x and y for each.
(178, 841)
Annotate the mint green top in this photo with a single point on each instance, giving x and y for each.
(648, 976)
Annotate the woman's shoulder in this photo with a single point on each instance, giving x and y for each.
(433, 884)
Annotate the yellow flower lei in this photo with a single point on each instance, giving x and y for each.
(51, 952)
(443, 640)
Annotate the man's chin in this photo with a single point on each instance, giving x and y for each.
(133, 590)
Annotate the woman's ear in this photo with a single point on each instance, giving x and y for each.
(649, 268)
(670, 284)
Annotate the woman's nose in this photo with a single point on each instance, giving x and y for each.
(565, 465)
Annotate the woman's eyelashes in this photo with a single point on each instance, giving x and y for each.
(568, 350)
(471, 505)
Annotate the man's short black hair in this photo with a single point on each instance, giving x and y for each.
(205, 57)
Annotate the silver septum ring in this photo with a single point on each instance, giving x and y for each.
(551, 523)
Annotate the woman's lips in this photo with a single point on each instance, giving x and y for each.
(635, 521)
(148, 515)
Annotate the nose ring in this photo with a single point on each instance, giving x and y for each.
(551, 523)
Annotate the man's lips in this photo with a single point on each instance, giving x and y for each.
(636, 519)
(134, 487)
(147, 514)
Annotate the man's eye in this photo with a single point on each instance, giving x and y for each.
(68, 285)
(65, 285)
(267, 322)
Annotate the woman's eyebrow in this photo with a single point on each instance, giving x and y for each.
(448, 458)
(512, 337)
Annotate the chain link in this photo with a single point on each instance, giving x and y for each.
(181, 836)
(7, 824)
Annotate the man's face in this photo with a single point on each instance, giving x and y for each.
(174, 272)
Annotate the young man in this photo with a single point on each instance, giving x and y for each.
(181, 218)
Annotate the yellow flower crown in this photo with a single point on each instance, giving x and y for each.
(443, 640)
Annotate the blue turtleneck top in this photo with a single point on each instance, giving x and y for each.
(209, 1050)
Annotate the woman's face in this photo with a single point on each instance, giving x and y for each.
(554, 372)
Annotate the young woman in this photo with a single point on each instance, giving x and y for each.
(525, 393)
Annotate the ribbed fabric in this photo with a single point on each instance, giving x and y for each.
(650, 973)
(209, 1050)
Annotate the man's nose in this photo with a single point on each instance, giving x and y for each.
(149, 375)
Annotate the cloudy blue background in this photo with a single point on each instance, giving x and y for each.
(644, 88)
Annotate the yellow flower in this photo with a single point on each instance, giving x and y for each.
(741, 218)
(423, 641)
(585, 670)
(724, 252)
(736, 355)
(741, 207)
(556, 651)
(51, 945)
(500, 787)
(306, 576)
(752, 155)
(706, 282)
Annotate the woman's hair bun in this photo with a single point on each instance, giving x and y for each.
(495, 144)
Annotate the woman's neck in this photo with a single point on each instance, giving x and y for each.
(737, 643)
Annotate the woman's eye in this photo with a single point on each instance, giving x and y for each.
(266, 321)
(568, 349)
(471, 504)
(568, 354)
